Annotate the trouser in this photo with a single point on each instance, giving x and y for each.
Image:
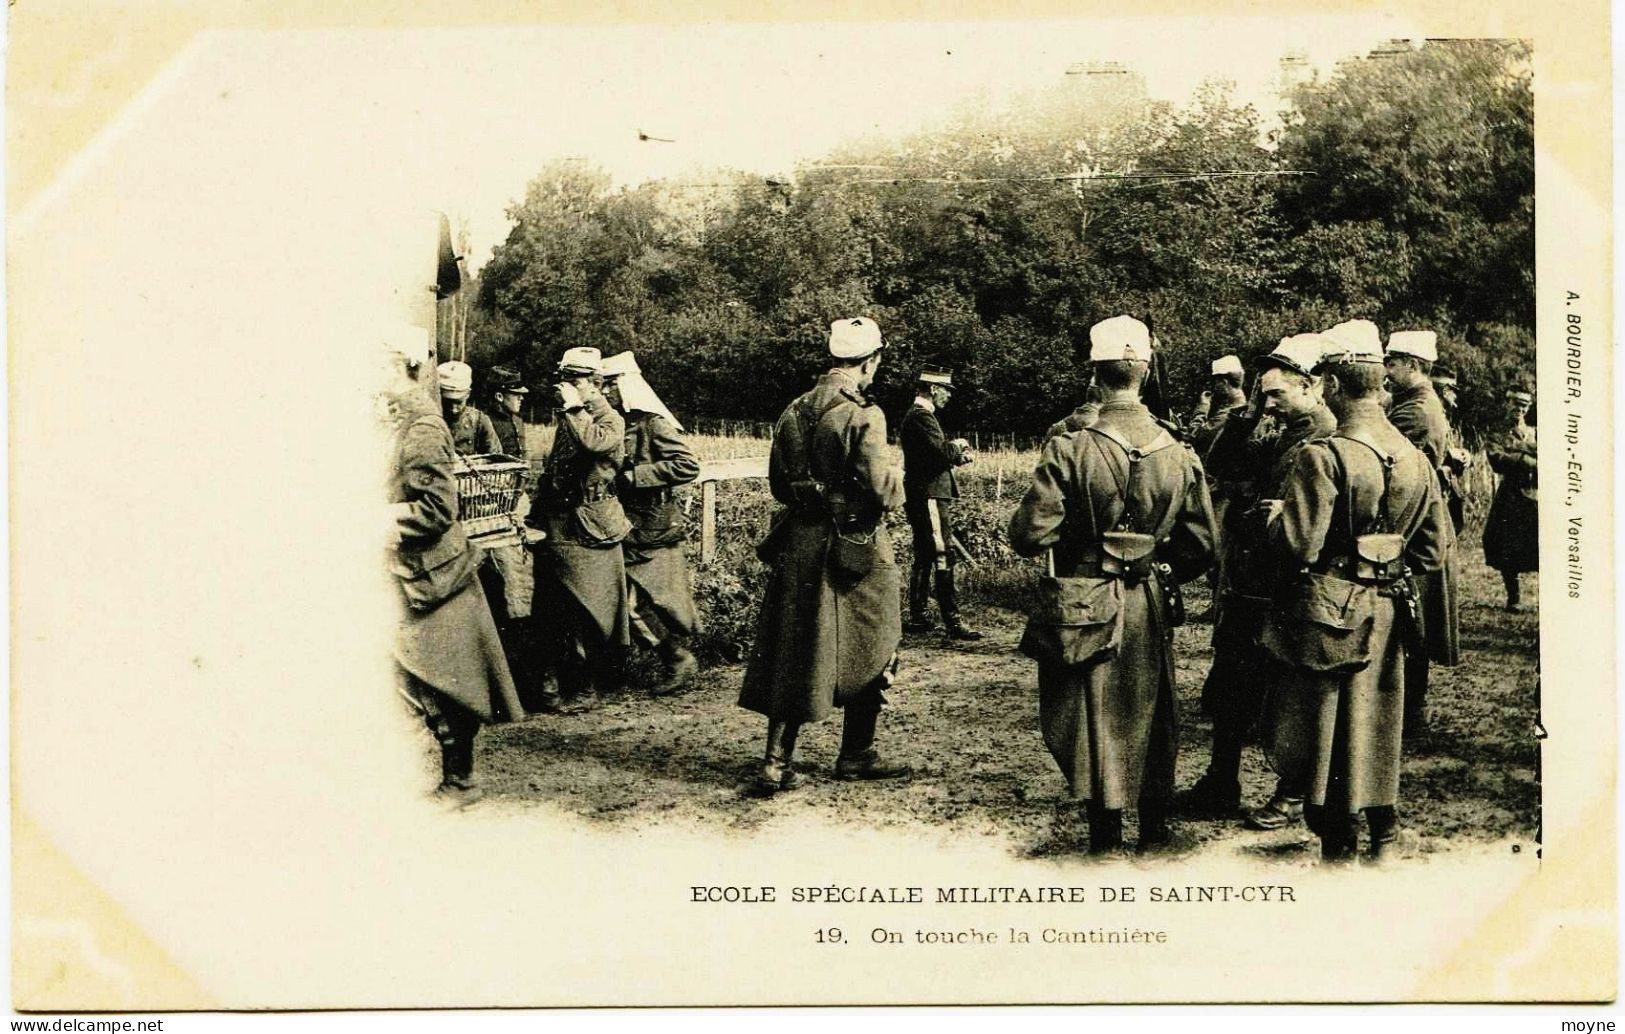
(453, 725)
(568, 646)
(932, 573)
(1339, 830)
(858, 724)
(1106, 824)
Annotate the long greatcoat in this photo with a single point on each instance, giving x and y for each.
(1338, 735)
(821, 638)
(1418, 414)
(452, 648)
(657, 460)
(1110, 725)
(1511, 542)
(582, 464)
(1251, 468)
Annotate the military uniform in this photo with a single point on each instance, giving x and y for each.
(830, 622)
(580, 569)
(1418, 414)
(1511, 542)
(1337, 731)
(1109, 724)
(474, 434)
(929, 489)
(1123, 511)
(663, 611)
(1084, 416)
(451, 662)
(1249, 468)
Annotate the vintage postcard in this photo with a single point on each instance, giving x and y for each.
(747, 504)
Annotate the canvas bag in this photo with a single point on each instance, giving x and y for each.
(1078, 619)
(1324, 622)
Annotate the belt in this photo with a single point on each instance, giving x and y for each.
(1348, 571)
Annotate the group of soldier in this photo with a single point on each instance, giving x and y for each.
(601, 548)
(1324, 503)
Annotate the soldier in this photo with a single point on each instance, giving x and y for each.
(509, 578)
(830, 622)
(929, 488)
(1457, 457)
(1085, 415)
(510, 394)
(1123, 511)
(580, 571)
(449, 660)
(1251, 468)
(1360, 512)
(657, 460)
(1223, 398)
(1511, 544)
(471, 429)
(1417, 413)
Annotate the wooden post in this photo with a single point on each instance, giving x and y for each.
(708, 520)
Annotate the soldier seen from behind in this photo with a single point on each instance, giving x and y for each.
(1122, 511)
(830, 622)
(1360, 514)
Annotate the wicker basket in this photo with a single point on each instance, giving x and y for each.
(488, 491)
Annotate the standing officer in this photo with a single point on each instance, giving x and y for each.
(1360, 511)
(1457, 456)
(1511, 542)
(830, 622)
(1252, 468)
(580, 571)
(1123, 511)
(449, 660)
(657, 460)
(929, 488)
(1419, 415)
(471, 429)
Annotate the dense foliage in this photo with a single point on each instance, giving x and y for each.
(1399, 189)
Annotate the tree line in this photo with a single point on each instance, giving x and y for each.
(1399, 188)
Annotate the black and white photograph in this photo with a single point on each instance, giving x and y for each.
(980, 500)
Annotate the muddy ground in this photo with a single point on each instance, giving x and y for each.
(965, 716)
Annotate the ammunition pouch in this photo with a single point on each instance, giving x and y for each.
(851, 553)
(1323, 623)
(600, 523)
(1379, 558)
(1127, 555)
(1076, 620)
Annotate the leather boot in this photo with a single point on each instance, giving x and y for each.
(858, 758)
(1384, 823)
(1154, 829)
(1339, 837)
(682, 667)
(778, 765)
(919, 597)
(1284, 809)
(1105, 829)
(1514, 590)
(948, 600)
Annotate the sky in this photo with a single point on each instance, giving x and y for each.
(501, 103)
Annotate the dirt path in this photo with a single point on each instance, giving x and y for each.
(966, 718)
